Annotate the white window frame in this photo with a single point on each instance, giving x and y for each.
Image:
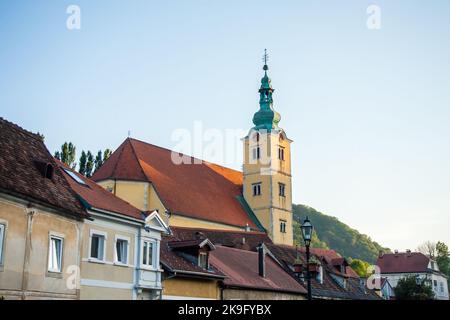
(61, 253)
(153, 265)
(256, 153)
(105, 237)
(2, 242)
(116, 260)
(283, 226)
(204, 254)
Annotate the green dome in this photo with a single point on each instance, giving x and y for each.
(266, 117)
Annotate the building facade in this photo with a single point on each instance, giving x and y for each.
(41, 222)
(398, 265)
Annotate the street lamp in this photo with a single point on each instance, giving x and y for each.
(307, 230)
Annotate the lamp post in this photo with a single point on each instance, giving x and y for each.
(307, 230)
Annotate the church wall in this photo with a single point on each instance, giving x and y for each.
(181, 221)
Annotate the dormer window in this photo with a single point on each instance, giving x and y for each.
(203, 260)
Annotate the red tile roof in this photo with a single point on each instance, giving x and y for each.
(403, 262)
(176, 263)
(20, 152)
(204, 191)
(236, 239)
(329, 288)
(98, 197)
(241, 269)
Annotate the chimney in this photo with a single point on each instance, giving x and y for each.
(262, 261)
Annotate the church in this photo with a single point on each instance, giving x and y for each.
(200, 194)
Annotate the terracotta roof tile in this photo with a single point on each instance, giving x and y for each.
(204, 191)
(173, 261)
(98, 197)
(403, 262)
(20, 152)
(241, 269)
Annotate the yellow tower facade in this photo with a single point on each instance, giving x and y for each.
(267, 185)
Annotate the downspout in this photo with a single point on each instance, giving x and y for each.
(26, 259)
(137, 272)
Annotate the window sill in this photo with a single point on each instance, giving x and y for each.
(54, 274)
(94, 260)
(120, 264)
(149, 268)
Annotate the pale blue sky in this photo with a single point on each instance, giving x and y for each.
(369, 110)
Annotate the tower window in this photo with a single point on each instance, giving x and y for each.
(281, 189)
(256, 153)
(281, 153)
(283, 226)
(256, 189)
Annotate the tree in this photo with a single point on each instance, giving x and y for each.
(82, 164)
(106, 154)
(428, 248)
(443, 258)
(413, 288)
(98, 160)
(89, 164)
(360, 267)
(67, 154)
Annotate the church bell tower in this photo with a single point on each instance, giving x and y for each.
(267, 186)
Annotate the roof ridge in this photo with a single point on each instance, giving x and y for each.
(137, 159)
(167, 149)
(219, 230)
(19, 128)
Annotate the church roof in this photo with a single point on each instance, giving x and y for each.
(199, 189)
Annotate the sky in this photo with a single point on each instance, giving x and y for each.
(368, 109)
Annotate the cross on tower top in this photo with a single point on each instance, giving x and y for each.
(265, 59)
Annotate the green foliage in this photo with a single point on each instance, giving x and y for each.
(360, 267)
(82, 163)
(338, 236)
(443, 258)
(89, 164)
(412, 288)
(315, 241)
(67, 154)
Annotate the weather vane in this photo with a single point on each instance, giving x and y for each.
(265, 57)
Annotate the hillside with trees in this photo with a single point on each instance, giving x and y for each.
(332, 234)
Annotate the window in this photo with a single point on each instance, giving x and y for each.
(281, 189)
(282, 226)
(256, 189)
(281, 153)
(98, 246)
(256, 153)
(55, 252)
(435, 283)
(2, 240)
(203, 260)
(147, 253)
(74, 177)
(441, 286)
(122, 251)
